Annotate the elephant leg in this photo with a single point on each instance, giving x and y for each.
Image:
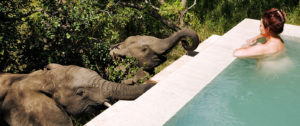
(33, 108)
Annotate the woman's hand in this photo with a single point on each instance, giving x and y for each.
(249, 42)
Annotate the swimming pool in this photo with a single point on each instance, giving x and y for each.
(242, 96)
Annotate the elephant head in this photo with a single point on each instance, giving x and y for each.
(79, 90)
(47, 97)
(149, 50)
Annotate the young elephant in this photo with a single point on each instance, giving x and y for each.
(149, 50)
(47, 97)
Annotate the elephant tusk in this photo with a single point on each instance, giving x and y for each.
(107, 104)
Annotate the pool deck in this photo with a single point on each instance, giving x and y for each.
(182, 80)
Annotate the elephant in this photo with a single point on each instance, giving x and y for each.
(50, 96)
(149, 50)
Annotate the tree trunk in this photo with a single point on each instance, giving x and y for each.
(183, 3)
(183, 12)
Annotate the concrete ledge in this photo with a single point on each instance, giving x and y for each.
(184, 59)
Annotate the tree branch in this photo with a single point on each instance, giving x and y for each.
(182, 14)
(106, 12)
(154, 13)
(195, 2)
(156, 8)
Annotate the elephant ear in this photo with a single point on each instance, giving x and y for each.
(23, 108)
(53, 66)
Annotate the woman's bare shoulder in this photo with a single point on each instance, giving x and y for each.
(276, 45)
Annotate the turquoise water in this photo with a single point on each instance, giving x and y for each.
(242, 96)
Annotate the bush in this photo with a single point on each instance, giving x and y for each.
(38, 32)
(55, 32)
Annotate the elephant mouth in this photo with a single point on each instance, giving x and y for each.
(92, 108)
(158, 60)
(152, 62)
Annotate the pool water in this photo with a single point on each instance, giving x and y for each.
(242, 96)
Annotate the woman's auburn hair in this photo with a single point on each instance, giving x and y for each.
(274, 19)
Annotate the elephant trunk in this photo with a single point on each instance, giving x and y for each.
(169, 42)
(121, 91)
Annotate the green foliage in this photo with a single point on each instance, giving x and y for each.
(77, 32)
(218, 16)
(119, 70)
(294, 16)
(12, 13)
(171, 10)
(55, 32)
(123, 69)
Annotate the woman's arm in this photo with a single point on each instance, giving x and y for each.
(252, 41)
(257, 51)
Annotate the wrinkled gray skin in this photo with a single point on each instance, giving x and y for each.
(47, 97)
(149, 50)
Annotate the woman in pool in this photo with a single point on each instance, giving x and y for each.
(270, 54)
(271, 25)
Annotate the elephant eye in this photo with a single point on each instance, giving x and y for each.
(79, 92)
(144, 49)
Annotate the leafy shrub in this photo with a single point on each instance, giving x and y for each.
(123, 69)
